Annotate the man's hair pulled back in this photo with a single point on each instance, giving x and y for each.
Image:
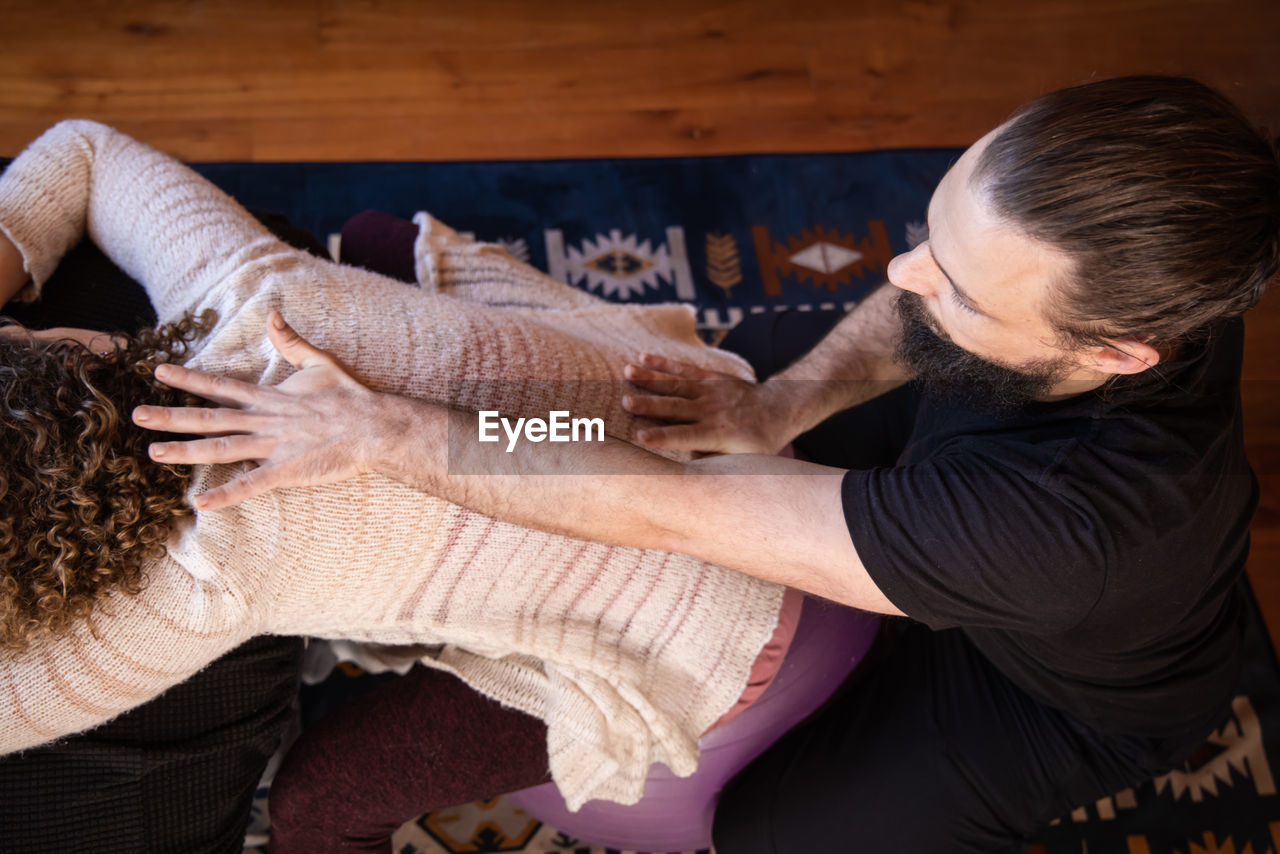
(1162, 193)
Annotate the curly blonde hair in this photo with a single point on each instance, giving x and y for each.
(82, 506)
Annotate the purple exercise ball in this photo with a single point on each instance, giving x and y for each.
(675, 813)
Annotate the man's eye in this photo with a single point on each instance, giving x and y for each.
(955, 296)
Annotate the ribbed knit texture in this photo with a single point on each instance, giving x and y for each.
(627, 655)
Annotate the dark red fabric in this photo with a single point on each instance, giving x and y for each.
(380, 242)
(411, 745)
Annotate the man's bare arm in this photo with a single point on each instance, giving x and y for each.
(776, 519)
(709, 412)
(852, 364)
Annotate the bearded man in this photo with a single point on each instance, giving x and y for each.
(1028, 442)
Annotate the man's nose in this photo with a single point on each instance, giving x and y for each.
(914, 271)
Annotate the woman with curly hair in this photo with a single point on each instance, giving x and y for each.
(104, 510)
(114, 589)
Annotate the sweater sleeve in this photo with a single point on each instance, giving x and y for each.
(163, 224)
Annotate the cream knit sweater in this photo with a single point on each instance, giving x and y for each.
(627, 655)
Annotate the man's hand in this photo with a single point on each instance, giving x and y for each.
(716, 413)
(301, 432)
(706, 411)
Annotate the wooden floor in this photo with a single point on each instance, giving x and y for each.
(516, 79)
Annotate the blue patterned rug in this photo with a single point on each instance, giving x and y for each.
(731, 235)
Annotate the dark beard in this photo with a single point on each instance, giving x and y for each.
(957, 377)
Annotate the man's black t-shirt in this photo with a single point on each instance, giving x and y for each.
(1088, 547)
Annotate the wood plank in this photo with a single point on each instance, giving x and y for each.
(434, 84)
(950, 63)
(471, 134)
(580, 79)
(193, 141)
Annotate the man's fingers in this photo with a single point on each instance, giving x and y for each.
(242, 488)
(223, 391)
(662, 407)
(674, 367)
(679, 437)
(220, 449)
(660, 382)
(194, 419)
(296, 350)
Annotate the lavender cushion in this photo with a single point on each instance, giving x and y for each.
(675, 813)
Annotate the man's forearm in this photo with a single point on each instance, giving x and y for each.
(435, 450)
(772, 518)
(852, 364)
(777, 519)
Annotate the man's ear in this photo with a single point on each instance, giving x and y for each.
(1124, 356)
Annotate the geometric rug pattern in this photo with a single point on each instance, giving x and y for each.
(486, 826)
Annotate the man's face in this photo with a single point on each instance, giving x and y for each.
(974, 311)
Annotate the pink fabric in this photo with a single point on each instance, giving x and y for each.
(769, 661)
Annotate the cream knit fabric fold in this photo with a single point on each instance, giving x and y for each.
(628, 655)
